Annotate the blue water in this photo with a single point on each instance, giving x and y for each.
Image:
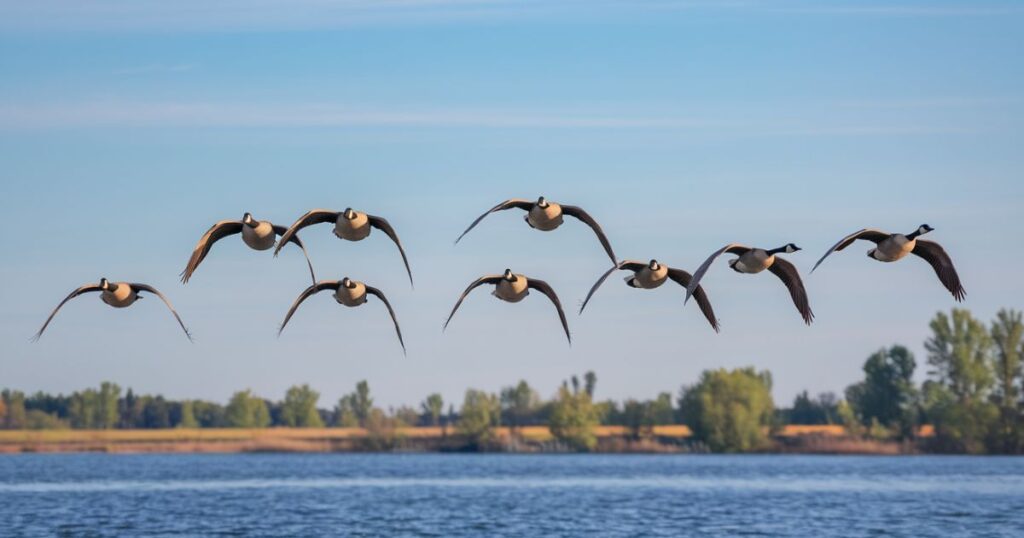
(508, 495)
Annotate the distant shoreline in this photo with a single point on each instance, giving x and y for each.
(827, 439)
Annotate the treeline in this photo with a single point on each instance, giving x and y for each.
(971, 399)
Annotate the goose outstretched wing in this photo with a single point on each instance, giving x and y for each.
(315, 216)
(625, 264)
(683, 279)
(489, 279)
(546, 289)
(731, 248)
(867, 234)
(87, 288)
(136, 287)
(307, 293)
(937, 257)
(507, 204)
(281, 230)
(579, 213)
(216, 232)
(791, 278)
(383, 225)
(383, 299)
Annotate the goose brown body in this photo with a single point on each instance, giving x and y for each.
(648, 278)
(752, 262)
(512, 291)
(351, 296)
(544, 218)
(356, 228)
(119, 295)
(259, 237)
(893, 248)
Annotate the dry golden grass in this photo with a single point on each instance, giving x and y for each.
(826, 430)
(310, 439)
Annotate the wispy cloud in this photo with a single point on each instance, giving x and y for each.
(249, 15)
(234, 115)
(311, 115)
(154, 69)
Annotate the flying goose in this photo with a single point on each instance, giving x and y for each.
(117, 295)
(348, 224)
(651, 275)
(546, 216)
(258, 234)
(347, 292)
(892, 247)
(754, 260)
(513, 288)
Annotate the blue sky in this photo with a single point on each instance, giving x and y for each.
(126, 129)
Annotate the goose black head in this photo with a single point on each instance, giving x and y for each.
(654, 265)
(790, 248)
(249, 221)
(509, 276)
(348, 283)
(923, 229)
(104, 284)
(349, 213)
(542, 202)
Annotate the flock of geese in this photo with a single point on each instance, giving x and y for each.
(541, 215)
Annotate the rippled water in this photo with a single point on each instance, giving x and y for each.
(506, 495)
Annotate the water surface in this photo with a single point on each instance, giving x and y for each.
(508, 495)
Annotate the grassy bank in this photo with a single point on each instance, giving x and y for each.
(819, 439)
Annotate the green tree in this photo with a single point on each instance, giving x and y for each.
(433, 406)
(245, 410)
(958, 352)
(36, 419)
(636, 417)
(1008, 337)
(345, 414)
(107, 402)
(83, 409)
(573, 417)
(729, 410)
(590, 383)
(476, 417)
(299, 408)
(956, 398)
(519, 403)
(362, 403)
(15, 403)
(960, 425)
(887, 394)
(807, 410)
(188, 415)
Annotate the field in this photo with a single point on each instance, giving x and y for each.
(313, 439)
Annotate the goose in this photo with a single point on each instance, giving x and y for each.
(349, 224)
(513, 288)
(545, 216)
(257, 234)
(117, 295)
(348, 292)
(893, 247)
(651, 275)
(754, 260)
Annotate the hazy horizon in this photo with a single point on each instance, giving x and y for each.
(125, 133)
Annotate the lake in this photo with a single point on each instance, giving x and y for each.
(508, 495)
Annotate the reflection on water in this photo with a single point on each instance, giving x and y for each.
(470, 495)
